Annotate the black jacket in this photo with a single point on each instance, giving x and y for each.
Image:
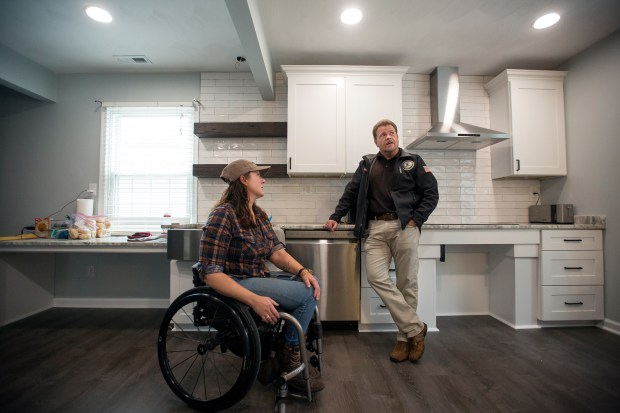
(413, 189)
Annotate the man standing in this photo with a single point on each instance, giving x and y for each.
(392, 194)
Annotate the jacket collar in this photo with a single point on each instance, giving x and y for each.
(401, 154)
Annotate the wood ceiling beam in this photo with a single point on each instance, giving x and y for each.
(246, 18)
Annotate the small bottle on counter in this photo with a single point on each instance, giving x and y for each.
(167, 222)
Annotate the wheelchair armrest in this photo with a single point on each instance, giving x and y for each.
(196, 270)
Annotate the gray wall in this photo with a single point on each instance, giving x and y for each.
(592, 96)
(50, 152)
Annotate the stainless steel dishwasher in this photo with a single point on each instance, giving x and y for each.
(335, 259)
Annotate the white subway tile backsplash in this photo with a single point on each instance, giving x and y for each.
(215, 75)
(467, 193)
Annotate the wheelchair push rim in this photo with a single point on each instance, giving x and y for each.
(208, 350)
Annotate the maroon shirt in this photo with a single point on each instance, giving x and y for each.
(379, 196)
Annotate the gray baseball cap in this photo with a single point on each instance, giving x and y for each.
(240, 167)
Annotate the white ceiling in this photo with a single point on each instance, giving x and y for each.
(481, 37)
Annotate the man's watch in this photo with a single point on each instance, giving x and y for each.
(302, 270)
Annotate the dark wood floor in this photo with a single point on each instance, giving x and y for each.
(94, 360)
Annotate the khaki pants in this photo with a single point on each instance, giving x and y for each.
(386, 240)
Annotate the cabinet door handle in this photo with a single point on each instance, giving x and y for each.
(290, 162)
(382, 306)
(572, 240)
(573, 268)
(518, 165)
(577, 303)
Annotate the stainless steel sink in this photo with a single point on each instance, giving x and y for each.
(184, 244)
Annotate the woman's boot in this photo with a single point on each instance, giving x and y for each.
(291, 359)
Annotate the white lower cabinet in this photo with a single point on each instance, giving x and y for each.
(373, 310)
(571, 277)
(181, 278)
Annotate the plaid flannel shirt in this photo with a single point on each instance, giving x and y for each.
(240, 252)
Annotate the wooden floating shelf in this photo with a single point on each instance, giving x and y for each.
(214, 171)
(240, 129)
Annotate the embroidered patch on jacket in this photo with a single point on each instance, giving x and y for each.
(408, 165)
(427, 169)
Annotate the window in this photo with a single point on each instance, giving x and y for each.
(147, 158)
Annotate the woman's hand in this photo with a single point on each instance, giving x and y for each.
(265, 308)
(285, 261)
(308, 278)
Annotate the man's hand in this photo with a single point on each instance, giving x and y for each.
(330, 224)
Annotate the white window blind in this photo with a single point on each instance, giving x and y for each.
(148, 153)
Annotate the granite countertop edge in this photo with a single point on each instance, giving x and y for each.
(113, 241)
(122, 242)
(346, 227)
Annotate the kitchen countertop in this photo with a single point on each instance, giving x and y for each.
(346, 227)
(121, 244)
(106, 244)
(581, 222)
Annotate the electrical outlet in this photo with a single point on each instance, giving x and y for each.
(92, 189)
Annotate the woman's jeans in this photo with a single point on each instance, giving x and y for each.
(291, 294)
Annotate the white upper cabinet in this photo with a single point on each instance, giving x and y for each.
(316, 124)
(331, 112)
(370, 99)
(529, 104)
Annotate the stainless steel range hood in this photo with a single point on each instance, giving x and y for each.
(448, 132)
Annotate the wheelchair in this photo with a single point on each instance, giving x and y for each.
(211, 350)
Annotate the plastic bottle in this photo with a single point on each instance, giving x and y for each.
(167, 222)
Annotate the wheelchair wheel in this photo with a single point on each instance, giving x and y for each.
(208, 349)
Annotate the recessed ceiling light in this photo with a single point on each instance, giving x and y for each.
(98, 14)
(546, 21)
(351, 16)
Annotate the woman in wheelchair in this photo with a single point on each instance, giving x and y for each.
(237, 239)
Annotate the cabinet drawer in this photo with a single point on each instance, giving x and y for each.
(575, 240)
(372, 308)
(564, 303)
(572, 268)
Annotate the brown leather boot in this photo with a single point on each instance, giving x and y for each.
(417, 345)
(400, 352)
(291, 359)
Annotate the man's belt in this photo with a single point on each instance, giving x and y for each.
(389, 216)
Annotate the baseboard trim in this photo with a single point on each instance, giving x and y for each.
(112, 302)
(611, 326)
(377, 328)
(461, 313)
